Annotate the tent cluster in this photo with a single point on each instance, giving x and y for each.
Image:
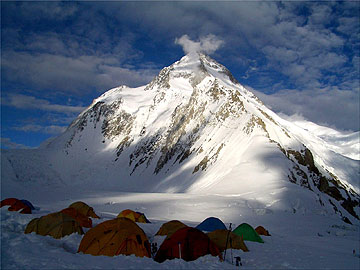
(15, 205)
(65, 222)
(123, 236)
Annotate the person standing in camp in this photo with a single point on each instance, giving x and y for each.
(153, 249)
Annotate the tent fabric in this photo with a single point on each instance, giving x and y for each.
(84, 209)
(114, 237)
(16, 205)
(169, 228)
(188, 244)
(83, 220)
(262, 231)
(8, 201)
(211, 224)
(134, 216)
(26, 202)
(234, 241)
(56, 225)
(248, 233)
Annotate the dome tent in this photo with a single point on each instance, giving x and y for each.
(84, 209)
(115, 237)
(219, 237)
(211, 224)
(262, 231)
(16, 205)
(83, 220)
(169, 228)
(248, 233)
(134, 216)
(188, 244)
(56, 225)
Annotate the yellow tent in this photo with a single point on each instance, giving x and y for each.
(114, 237)
(56, 225)
(134, 216)
(84, 209)
(170, 227)
(233, 241)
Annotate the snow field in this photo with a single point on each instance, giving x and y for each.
(301, 239)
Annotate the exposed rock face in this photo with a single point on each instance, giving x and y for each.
(187, 121)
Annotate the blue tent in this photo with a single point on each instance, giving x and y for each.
(211, 224)
(26, 202)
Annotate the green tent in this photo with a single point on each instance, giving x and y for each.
(248, 233)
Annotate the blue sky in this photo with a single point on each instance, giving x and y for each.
(300, 58)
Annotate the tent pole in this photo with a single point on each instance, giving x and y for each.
(227, 239)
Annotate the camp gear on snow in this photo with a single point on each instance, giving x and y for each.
(234, 241)
(170, 227)
(114, 237)
(238, 261)
(16, 205)
(262, 231)
(56, 225)
(83, 220)
(247, 233)
(188, 244)
(211, 224)
(134, 216)
(84, 209)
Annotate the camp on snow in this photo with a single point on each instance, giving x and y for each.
(226, 239)
(262, 231)
(248, 233)
(56, 225)
(187, 244)
(134, 216)
(211, 224)
(84, 209)
(114, 237)
(83, 220)
(169, 228)
(16, 205)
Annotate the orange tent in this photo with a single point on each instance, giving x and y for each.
(225, 239)
(16, 205)
(83, 220)
(170, 227)
(56, 225)
(188, 244)
(134, 216)
(114, 237)
(84, 209)
(262, 231)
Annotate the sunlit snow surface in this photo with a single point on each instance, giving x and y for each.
(300, 238)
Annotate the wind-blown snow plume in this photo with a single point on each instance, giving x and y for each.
(207, 44)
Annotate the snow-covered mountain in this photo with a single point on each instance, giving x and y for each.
(192, 129)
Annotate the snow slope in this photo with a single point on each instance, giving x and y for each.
(300, 237)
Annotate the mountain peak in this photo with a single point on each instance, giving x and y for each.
(194, 128)
(194, 67)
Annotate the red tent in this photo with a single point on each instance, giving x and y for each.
(16, 205)
(188, 244)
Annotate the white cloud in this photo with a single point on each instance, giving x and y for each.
(74, 74)
(208, 44)
(52, 129)
(7, 143)
(329, 107)
(20, 101)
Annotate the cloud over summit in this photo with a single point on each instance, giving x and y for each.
(208, 44)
